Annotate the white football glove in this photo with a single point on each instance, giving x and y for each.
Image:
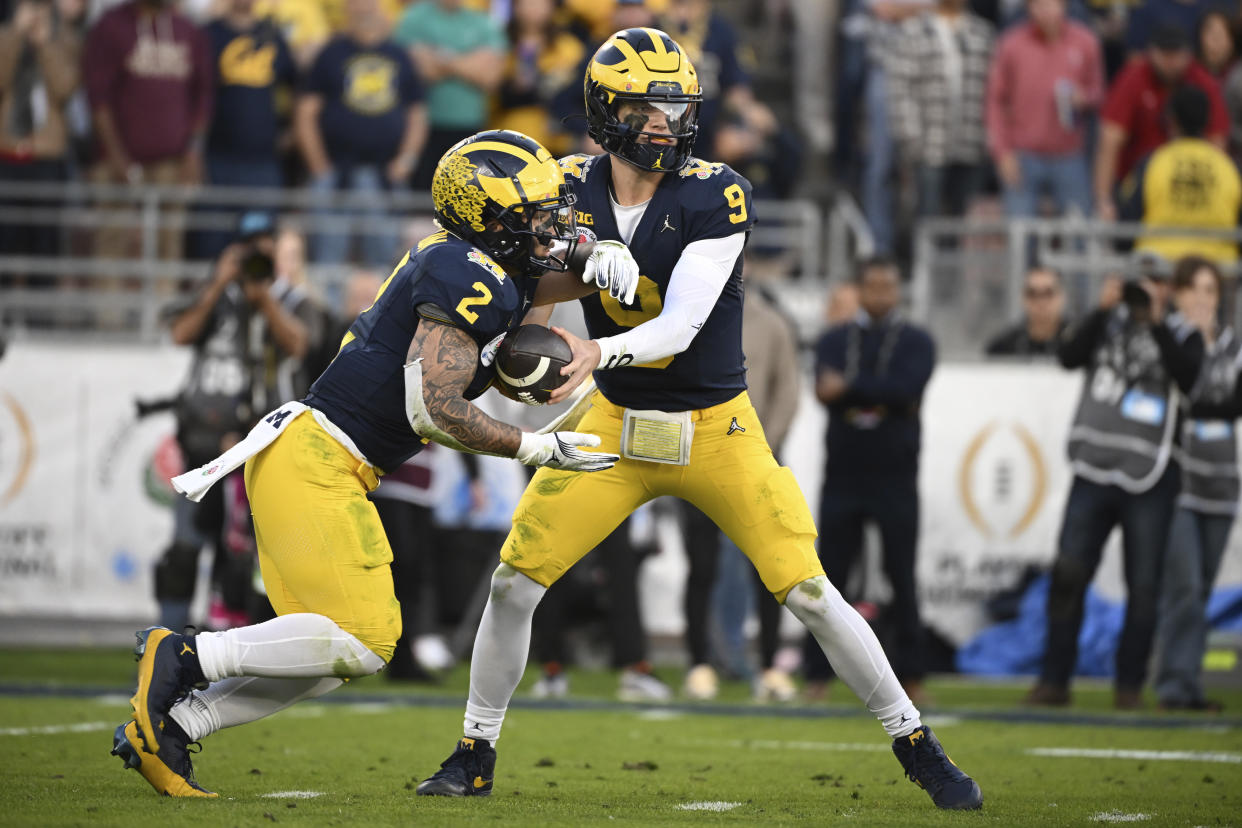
(559, 450)
(612, 266)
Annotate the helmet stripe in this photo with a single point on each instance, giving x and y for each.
(518, 152)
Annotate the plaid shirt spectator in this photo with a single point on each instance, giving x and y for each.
(936, 94)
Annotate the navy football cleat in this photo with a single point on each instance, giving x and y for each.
(928, 766)
(168, 771)
(163, 680)
(468, 772)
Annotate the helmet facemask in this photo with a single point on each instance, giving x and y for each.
(549, 222)
(620, 122)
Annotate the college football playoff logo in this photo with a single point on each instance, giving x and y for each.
(1002, 481)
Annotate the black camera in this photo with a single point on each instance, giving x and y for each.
(257, 266)
(1135, 296)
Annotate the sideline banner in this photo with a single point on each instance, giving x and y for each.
(84, 489)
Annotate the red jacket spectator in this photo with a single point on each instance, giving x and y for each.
(1132, 122)
(148, 69)
(1136, 104)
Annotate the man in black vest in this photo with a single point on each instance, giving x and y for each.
(870, 373)
(1121, 450)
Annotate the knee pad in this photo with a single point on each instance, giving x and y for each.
(814, 596)
(511, 588)
(176, 573)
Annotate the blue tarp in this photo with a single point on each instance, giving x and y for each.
(1016, 647)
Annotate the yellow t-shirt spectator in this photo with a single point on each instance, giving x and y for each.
(1190, 183)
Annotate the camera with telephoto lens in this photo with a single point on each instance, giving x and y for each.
(256, 266)
(1135, 296)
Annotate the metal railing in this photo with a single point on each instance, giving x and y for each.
(967, 276)
(76, 289)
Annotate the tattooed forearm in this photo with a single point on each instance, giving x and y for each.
(450, 358)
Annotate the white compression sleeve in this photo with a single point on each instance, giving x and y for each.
(693, 288)
(301, 645)
(239, 700)
(854, 653)
(500, 650)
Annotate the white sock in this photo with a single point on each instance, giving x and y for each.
(302, 645)
(239, 700)
(854, 653)
(500, 650)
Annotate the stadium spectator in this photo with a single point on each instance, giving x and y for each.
(1214, 44)
(1120, 448)
(772, 374)
(249, 330)
(302, 23)
(939, 74)
(71, 18)
(460, 55)
(361, 126)
(1046, 77)
(712, 44)
(38, 74)
(148, 76)
(1188, 183)
(1145, 19)
(542, 76)
(870, 373)
(880, 23)
(1208, 501)
(252, 63)
(1043, 318)
(1132, 122)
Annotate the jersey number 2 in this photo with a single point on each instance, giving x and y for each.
(463, 307)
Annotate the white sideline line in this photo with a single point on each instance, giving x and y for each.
(773, 744)
(52, 730)
(708, 806)
(1119, 816)
(1154, 755)
(292, 794)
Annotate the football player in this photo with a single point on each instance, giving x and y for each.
(404, 375)
(672, 402)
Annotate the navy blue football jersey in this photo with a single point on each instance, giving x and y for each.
(701, 201)
(363, 390)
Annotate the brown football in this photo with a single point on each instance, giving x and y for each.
(529, 363)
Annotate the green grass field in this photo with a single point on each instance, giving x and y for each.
(594, 762)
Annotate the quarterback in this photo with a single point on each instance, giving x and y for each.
(672, 401)
(404, 375)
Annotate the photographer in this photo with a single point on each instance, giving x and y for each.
(250, 331)
(1121, 452)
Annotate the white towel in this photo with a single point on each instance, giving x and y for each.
(195, 483)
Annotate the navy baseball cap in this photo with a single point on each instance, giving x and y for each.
(256, 223)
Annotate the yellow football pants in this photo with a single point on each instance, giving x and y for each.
(322, 548)
(732, 477)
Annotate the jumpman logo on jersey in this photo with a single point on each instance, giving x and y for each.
(667, 226)
(185, 648)
(733, 426)
(904, 719)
